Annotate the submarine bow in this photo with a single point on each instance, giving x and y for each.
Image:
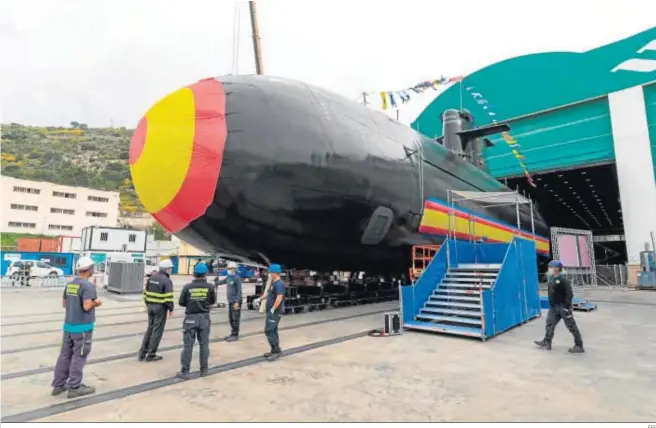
(258, 168)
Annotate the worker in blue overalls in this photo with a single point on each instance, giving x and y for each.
(275, 307)
(234, 297)
(560, 307)
(80, 300)
(196, 297)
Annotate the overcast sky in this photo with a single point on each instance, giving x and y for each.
(98, 61)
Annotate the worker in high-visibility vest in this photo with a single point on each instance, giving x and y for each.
(158, 296)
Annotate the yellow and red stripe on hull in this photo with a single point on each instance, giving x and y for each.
(176, 152)
(435, 221)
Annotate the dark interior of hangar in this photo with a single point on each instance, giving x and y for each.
(583, 198)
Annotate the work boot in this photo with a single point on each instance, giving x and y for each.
(274, 355)
(183, 375)
(203, 372)
(141, 358)
(577, 349)
(267, 354)
(232, 338)
(543, 344)
(58, 390)
(154, 358)
(81, 391)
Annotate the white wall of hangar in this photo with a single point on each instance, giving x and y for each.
(635, 168)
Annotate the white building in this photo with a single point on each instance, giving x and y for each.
(113, 239)
(52, 209)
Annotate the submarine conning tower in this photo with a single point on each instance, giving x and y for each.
(454, 122)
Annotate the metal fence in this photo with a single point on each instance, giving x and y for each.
(613, 276)
(20, 281)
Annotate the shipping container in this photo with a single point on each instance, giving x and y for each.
(63, 261)
(70, 244)
(37, 245)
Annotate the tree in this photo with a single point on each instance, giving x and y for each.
(159, 233)
(83, 126)
(75, 124)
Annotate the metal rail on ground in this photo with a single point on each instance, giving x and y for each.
(40, 370)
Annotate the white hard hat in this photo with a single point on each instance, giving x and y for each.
(165, 264)
(232, 265)
(84, 263)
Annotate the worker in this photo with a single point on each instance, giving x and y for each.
(275, 307)
(234, 298)
(196, 297)
(80, 300)
(158, 296)
(560, 306)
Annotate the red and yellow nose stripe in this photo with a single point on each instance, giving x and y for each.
(176, 152)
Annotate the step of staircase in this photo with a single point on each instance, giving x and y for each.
(471, 274)
(441, 291)
(469, 279)
(443, 318)
(437, 311)
(452, 298)
(476, 266)
(463, 285)
(443, 328)
(453, 304)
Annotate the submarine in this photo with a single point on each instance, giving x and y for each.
(261, 169)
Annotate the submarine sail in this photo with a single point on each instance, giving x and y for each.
(261, 168)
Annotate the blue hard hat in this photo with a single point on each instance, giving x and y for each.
(556, 264)
(275, 268)
(200, 269)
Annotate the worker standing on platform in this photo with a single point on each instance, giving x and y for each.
(233, 294)
(560, 306)
(80, 300)
(275, 307)
(197, 297)
(158, 296)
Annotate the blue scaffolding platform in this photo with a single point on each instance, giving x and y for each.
(482, 290)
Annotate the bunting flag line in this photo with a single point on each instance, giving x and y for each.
(513, 145)
(403, 95)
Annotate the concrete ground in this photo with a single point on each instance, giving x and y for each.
(326, 377)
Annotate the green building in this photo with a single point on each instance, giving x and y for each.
(586, 127)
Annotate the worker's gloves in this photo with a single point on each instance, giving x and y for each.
(256, 303)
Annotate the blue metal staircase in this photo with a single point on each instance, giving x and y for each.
(456, 305)
(490, 289)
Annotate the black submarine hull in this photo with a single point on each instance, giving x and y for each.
(310, 179)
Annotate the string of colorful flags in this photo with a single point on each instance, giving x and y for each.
(391, 98)
(512, 143)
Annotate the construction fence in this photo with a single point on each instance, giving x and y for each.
(21, 281)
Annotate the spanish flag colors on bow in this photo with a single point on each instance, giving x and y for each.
(176, 152)
(468, 225)
(404, 95)
(512, 143)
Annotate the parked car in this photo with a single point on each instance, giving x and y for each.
(38, 269)
(149, 267)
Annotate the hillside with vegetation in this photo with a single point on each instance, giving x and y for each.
(74, 156)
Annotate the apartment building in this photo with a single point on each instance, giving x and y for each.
(52, 209)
